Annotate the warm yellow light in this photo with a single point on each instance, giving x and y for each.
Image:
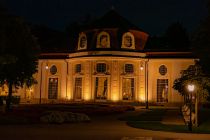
(47, 67)
(141, 68)
(142, 97)
(68, 96)
(191, 87)
(87, 96)
(115, 97)
(31, 90)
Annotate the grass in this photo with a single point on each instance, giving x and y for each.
(152, 120)
(151, 115)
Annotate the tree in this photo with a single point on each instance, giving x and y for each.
(175, 38)
(193, 74)
(201, 43)
(18, 53)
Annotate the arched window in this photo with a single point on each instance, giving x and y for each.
(103, 40)
(82, 42)
(128, 41)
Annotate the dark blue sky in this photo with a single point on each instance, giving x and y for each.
(153, 16)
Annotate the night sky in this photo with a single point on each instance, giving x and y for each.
(153, 16)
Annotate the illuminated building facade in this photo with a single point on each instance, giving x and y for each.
(109, 63)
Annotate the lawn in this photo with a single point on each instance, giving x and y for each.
(152, 120)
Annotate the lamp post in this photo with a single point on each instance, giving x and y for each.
(190, 88)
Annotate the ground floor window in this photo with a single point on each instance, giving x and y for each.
(128, 88)
(53, 88)
(78, 88)
(162, 90)
(101, 87)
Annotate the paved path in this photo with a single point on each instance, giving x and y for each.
(101, 128)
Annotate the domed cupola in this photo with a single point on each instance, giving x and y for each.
(111, 32)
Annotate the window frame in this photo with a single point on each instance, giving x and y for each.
(101, 67)
(103, 33)
(125, 35)
(128, 72)
(82, 35)
(76, 68)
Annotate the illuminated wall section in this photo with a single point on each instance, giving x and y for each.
(174, 67)
(70, 81)
(141, 81)
(115, 81)
(68, 89)
(87, 80)
(63, 79)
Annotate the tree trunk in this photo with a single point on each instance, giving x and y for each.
(9, 98)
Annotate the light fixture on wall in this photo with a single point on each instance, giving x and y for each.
(47, 67)
(141, 66)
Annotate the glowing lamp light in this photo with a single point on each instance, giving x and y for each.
(191, 87)
(46, 67)
(141, 68)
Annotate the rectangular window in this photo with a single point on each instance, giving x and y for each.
(128, 88)
(101, 87)
(101, 67)
(129, 68)
(53, 88)
(162, 90)
(78, 88)
(78, 68)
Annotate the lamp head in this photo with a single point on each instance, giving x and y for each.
(191, 87)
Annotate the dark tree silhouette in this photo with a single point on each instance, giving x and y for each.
(201, 42)
(175, 38)
(18, 53)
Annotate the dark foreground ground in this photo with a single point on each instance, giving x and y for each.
(101, 127)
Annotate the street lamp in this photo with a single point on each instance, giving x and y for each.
(190, 88)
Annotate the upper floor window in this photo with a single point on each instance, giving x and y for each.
(128, 41)
(82, 42)
(78, 68)
(53, 70)
(101, 67)
(129, 68)
(103, 40)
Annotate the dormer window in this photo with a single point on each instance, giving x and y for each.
(128, 41)
(82, 42)
(103, 40)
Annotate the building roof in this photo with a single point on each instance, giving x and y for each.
(112, 19)
(115, 25)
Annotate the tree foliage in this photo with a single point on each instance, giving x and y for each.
(201, 43)
(193, 75)
(18, 52)
(175, 38)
